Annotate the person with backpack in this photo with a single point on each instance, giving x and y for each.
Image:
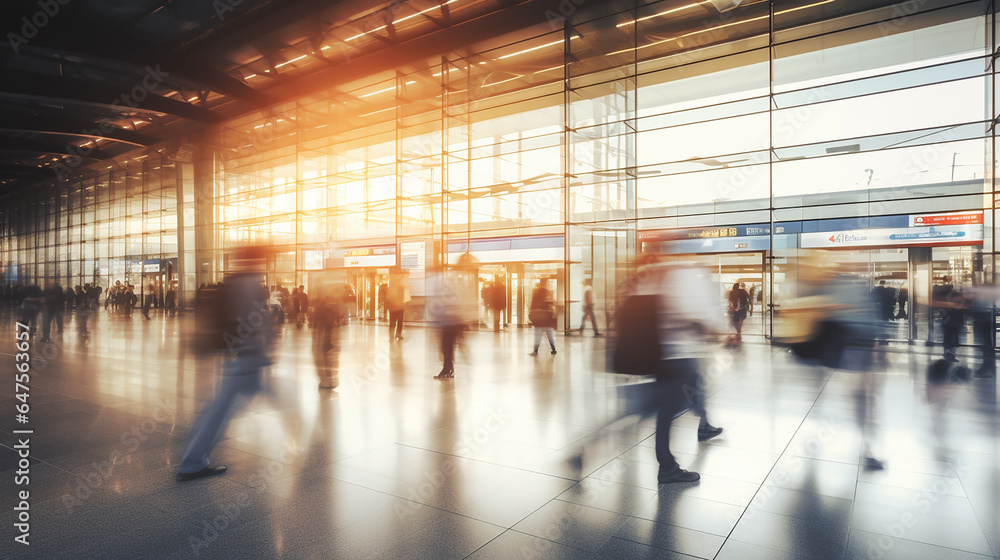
(739, 306)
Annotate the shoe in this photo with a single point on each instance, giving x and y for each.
(708, 432)
(677, 475)
(873, 464)
(984, 373)
(399, 338)
(950, 356)
(553, 352)
(597, 334)
(445, 375)
(207, 471)
(534, 354)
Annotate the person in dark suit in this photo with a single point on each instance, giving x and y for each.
(498, 303)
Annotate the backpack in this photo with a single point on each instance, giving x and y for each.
(636, 348)
(213, 320)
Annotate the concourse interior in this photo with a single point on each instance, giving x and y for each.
(394, 464)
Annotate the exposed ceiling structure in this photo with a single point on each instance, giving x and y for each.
(87, 81)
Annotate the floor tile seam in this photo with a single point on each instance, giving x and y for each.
(674, 550)
(522, 469)
(777, 550)
(979, 521)
(856, 530)
(782, 454)
(532, 536)
(687, 529)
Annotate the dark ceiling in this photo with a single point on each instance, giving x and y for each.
(85, 81)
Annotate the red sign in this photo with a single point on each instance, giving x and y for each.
(959, 218)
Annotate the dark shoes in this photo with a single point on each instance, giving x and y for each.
(445, 375)
(984, 373)
(535, 353)
(708, 432)
(553, 352)
(677, 474)
(207, 471)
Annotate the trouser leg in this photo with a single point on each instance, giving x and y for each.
(664, 420)
(238, 381)
(550, 334)
(46, 323)
(448, 337)
(538, 337)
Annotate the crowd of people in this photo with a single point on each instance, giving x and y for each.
(242, 318)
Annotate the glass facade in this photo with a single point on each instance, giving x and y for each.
(554, 155)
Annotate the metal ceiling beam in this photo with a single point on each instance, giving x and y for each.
(15, 171)
(74, 36)
(69, 126)
(22, 84)
(454, 38)
(30, 147)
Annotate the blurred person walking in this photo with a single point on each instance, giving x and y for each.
(53, 305)
(129, 300)
(274, 301)
(739, 306)
(983, 311)
(325, 337)
(395, 304)
(846, 325)
(542, 315)
(950, 306)
(242, 330)
(147, 300)
(451, 307)
(30, 307)
(661, 330)
(170, 304)
(302, 303)
(588, 307)
(498, 302)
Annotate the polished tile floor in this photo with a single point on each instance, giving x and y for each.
(394, 464)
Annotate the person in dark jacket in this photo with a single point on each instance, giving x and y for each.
(542, 315)
(302, 303)
(243, 301)
(739, 306)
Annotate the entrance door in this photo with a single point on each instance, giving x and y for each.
(746, 269)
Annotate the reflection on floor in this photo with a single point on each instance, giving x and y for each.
(397, 465)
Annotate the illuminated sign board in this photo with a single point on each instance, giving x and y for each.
(370, 256)
(966, 234)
